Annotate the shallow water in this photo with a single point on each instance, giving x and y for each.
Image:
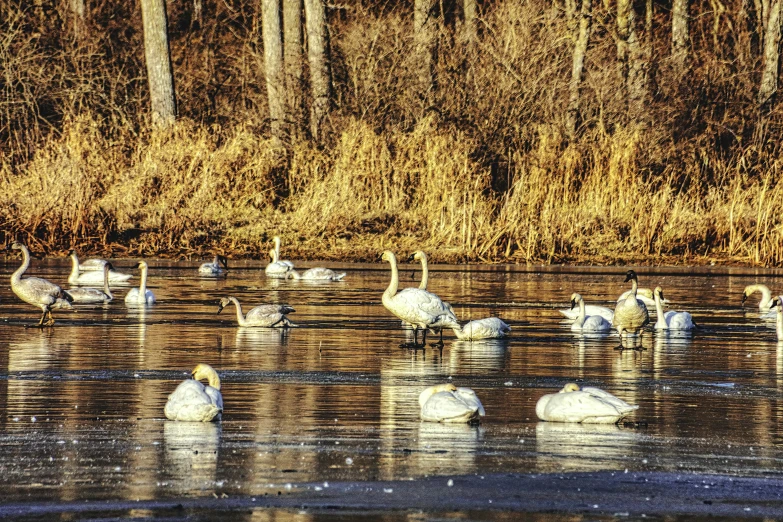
(336, 397)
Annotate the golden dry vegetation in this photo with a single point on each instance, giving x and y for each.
(485, 172)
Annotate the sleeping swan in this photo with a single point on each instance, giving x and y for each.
(192, 401)
(588, 405)
(447, 403)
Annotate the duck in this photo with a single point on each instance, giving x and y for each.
(141, 295)
(630, 314)
(488, 328)
(93, 276)
(448, 403)
(587, 323)
(777, 304)
(37, 291)
(420, 256)
(270, 316)
(84, 295)
(587, 405)
(193, 401)
(765, 304)
(316, 274)
(276, 268)
(420, 308)
(214, 268)
(670, 320)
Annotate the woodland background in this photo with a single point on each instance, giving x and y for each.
(509, 130)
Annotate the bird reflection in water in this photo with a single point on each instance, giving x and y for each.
(576, 447)
(191, 455)
(488, 354)
(447, 449)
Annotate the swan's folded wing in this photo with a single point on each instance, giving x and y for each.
(615, 402)
(40, 287)
(446, 407)
(470, 399)
(215, 396)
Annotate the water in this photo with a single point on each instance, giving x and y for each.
(336, 398)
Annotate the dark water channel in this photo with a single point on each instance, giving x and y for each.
(81, 404)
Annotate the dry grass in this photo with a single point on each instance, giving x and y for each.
(486, 174)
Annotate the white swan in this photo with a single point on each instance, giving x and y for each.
(93, 276)
(276, 268)
(85, 295)
(88, 265)
(590, 310)
(670, 320)
(263, 315)
(644, 295)
(489, 328)
(38, 291)
(587, 323)
(316, 274)
(766, 296)
(447, 403)
(777, 304)
(588, 405)
(630, 314)
(425, 271)
(140, 295)
(214, 268)
(276, 239)
(420, 308)
(192, 401)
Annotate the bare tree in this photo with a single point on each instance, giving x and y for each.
(630, 56)
(273, 65)
(77, 8)
(292, 57)
(469, 13)
(769, 75)
(680, 33)
(424, 42)
(577, 68)
(158, 58)
(320, 66)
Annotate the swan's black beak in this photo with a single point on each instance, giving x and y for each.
(220, 308)
(661, 294)
(380, 257)
(573, 303)
(744, 298)
(411, 258)
(629, 275)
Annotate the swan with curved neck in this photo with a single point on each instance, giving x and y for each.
(94, 295)
(587, 323)
(670, 320)
(214, 268)
(478, 329)
(777, 304)
(587, 405)
(38, 291)
(419, 255)
(141, 295)
(630, 314)
(93, 276)
(420, 308)
(276, 268)
(193, 401)
(765, 304)
(269, 316)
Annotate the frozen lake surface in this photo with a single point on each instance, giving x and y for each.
(319, 417)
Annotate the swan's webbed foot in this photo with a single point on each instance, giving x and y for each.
(438, 344)
(412, 345)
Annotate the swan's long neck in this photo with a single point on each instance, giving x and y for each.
(391, 291)
(240, 316)
(425, 273)
(275, 255)
(16, 277)
(106, 289)
(580, 319)
(634, 287)
(766, 295)
(143, 283)
(74, 269)
(779, 323)
(277, 248)
(213, 379)
(659, 309)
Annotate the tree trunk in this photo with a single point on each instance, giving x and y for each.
(630, 55)
(680, 34)
(469, 12)
(292, 57)
(424, 45)
(320, 67)
(158, 58)
(769, 76)
(580, 49)
(273, 65)
(77, 11)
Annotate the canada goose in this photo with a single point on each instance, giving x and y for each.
(420, 308)
(93, 276)
(214, 268)
(140, 295)
(316, 274)
(630, 314)
(766, 296)
(38, 291)
(263, 315)
(193, 401)
(84, 295)
(447, 403)
(587, 323)
(276, 268)
(488, 328)
(671, 320)
(425, 272)
(777, 304)
(588, 405)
